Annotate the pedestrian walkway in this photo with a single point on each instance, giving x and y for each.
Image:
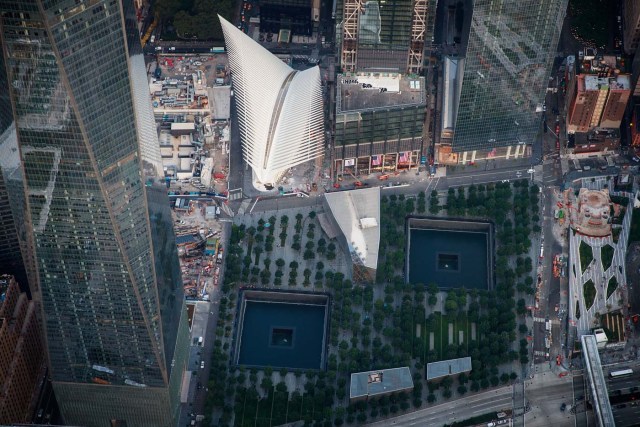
(243, 206)
(235, 195)
(543, 320)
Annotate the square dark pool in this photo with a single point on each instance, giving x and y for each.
(282, 334)
(448, 262)
(282, 337)
(449, 253)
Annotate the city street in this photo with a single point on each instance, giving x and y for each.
(549, 290)
(407, 184)
(456, 410)
(545, 395)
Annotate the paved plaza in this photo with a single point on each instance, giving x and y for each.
(581, 274)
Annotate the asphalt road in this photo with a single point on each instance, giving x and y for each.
(408, 185)
(236, 164)
(459, 409)
(627, 416)
(550, 289)
(579, 392)
(545, 395)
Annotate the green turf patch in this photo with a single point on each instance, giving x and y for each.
(439, 329)
(586, 255)
(589, 292)
(612, 286)
(606, 253)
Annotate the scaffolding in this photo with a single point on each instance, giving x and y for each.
(350, 26)
(418, 30)
(422, 14)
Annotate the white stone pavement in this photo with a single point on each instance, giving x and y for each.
(594, 271)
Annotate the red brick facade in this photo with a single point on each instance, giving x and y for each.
(21, 353)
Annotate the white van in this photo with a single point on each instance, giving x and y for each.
(200, 340)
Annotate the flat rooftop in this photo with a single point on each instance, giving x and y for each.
(582, 111)
(221, 105)
(615, 108)
(448, 367)
(365, 91)
(384, 381)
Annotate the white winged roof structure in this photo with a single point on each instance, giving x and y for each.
(280, 111)
(357, 213)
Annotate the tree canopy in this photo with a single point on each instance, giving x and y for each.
(195, 18)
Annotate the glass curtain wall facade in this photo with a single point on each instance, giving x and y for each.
(509, 55)
(381, 33)
(85, 180)
(384, 35)
(379, 131)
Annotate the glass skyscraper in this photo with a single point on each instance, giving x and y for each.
(384, 35)
(81, 169)
(505, 70)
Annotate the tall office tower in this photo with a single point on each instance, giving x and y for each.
(631, 26)
(11, 261)
(280, 110)
(381, 97)
(385, 35)
(500, 81)
(81, 166)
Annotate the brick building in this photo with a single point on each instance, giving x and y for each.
(21, 353)
(596, 110)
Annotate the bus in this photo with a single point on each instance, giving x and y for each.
(621, 373)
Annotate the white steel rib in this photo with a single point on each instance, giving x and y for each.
(280, 111)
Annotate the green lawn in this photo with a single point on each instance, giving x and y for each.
(589, 291)
(439, 334)
(440, 331)
(462, 324)
(606, 253)
(612, 286)
(586, 255)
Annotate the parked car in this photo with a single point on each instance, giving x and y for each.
(563, 406)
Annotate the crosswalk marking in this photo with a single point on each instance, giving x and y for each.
(235, 196)
(543, 320)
